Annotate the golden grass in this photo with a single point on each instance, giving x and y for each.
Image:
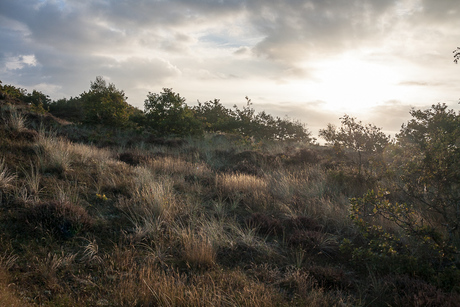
(197, 250)
(240, 183)
(148, 285)
(171, 166)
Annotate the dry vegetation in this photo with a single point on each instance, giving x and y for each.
(206, 222)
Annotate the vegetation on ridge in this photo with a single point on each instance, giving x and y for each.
(209, 206)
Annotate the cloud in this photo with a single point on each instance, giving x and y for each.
(18, 62)
(419, 83)
(235, 47)
(294, 32)
(390, 115)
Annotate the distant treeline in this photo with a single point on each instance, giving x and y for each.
(164, 114)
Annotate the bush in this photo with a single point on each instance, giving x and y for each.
(413, 247)
(167, 114)
(425, 162)
(105, 104)
(356, 136)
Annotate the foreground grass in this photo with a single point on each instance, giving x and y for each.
(215, 221)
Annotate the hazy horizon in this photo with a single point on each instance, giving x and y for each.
(311, 60)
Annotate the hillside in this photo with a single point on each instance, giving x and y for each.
(95, 215)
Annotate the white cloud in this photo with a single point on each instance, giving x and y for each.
(19, 62)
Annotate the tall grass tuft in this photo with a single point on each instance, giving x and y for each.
(198, 251)
(6, 178)
(15, 121)
(54, 153)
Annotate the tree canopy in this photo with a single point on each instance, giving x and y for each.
(166, 113)
(427, 161)
(105, 104)
(357, 136)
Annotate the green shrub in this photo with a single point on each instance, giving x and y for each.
(105, 104)
(167, 114)
(412, 247)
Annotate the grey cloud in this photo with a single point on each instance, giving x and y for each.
(440, 10)
(296, 29)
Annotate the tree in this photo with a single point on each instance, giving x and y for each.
(166, 113)
(356, 136)
(426, 163)
(11, 91)
(38, 101)
(287, 129)
(215, 117)
(456, 55)
(105, 104)
(264, 126)
(69, 109)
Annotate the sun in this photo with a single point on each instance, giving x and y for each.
(352, 84)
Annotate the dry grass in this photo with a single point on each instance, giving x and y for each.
(31, 191)
(67, 192)
(198, 251)
(6, 178)
(173, 166)
(150, 286)
(240, 183)
(54, 153)
(48, 268)
(15, 121)
(152, 203)
(90, 154)
(249, 190)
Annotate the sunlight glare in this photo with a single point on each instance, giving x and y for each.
(351, 84)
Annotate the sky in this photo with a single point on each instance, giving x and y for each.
(311, 60)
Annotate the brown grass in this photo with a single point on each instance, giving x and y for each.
(8, 295)
(198, 251)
